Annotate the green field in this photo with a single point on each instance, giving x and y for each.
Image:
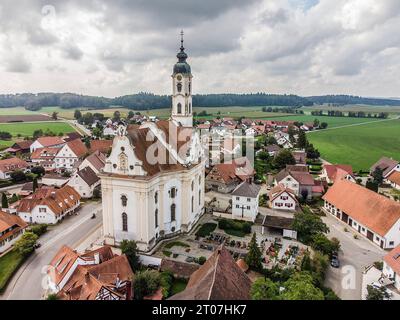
(361, 146)
(17, 111)
(331, 121)
(21, 130)
(355, 108)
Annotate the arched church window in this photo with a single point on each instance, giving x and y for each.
(173, 212)
(124, 222)
(190, 87)
(179, 108)
(156, 218)
(179, 87)
(192, 185)
(156, 198)
(192, 204)
(173, 193)
(124, 201)
(199, 197)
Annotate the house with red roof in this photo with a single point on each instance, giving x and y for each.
(333, 172)
(394, 179)
(225, 177)
(47, 142)
(372, 215)
(387, 165)
(12, 228)
(391, 267)
(69, 155)
(8, 166)
(95, 275)
(44, 157)
(300, 182)
(282, 198)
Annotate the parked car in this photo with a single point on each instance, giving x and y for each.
(335, 263)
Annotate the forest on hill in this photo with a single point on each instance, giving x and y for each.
(148, 101)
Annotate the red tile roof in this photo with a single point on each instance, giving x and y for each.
(103, 146)
(385, 164)
(393, 259)
(10, 221)
(77, 147)
(12, 164)
(280, 189)
(395, 177)
(50, 141)
(238, 170)
(369, 208)
(44, 153)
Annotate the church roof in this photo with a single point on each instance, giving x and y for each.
(182, 66)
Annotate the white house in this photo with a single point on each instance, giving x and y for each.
(85, 181)
(245, 199)
(47, 142)
(331, 172)
(299, 182)
(372, 215)
(96, 161)
(394, 179)
(391, 267)
(54, 180)
(8, 166)
(282, 198)
(70, 154)
(12, 228)
(48, 205)
(387, 165)
(44, 157)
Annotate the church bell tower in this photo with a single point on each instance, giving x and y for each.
(182, 108)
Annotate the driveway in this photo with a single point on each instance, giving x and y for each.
(27, 282)
(354, 256)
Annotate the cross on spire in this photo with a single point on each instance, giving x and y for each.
(182, 34)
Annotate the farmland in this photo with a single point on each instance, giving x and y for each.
(21, 130)
(361, 145)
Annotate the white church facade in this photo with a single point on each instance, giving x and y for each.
(153, 180)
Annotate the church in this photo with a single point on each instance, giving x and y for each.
(153, 181)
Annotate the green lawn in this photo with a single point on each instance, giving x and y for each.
(27, 129)
(9, 263)
(17, 111)
(361, 146)
(331, 121)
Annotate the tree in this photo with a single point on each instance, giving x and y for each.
(39, 171)
(5, 135)
(4, 201)
(302, 141)
(131, 114)
(34, 184)
(77, 114)
(117, 116)
(129, 248)
(146, 283)
(323, 125)
(316, 123)
(301, 287)
(374, 293)
(371, 185)
(52, 296)
(97, 132)
(37, 134)
(283, 158)
(54, 116)
(308, 225)
(18, 176)
(264, 289)
(378, 176)
(26, 244)
(254, 256)
(263, 156)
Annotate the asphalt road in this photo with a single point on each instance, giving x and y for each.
(354, 256)
(27, 282)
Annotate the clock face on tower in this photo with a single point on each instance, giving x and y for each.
(179, 77)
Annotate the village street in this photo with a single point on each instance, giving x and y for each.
(27, 282)
(354, 256)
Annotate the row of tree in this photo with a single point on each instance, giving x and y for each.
(350, 114)
(145, 101)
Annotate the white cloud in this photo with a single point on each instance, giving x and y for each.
(113, 48)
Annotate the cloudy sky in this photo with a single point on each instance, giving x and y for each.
(112, 48)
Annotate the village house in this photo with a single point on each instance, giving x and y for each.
(272, 149)
(394, 179)
(47, 142)
(387, 165)
(225, 177)
(300, 156)
(391, 267)
(331, 173)
(27, 189)
(44, 157)
(12, 228)
(245, 199)
(48, 205)
(95, 275)
(96, 161)
(21, 147)
(8, 166)
(372, 215)
(85, 181)
(72, 136)
(300, 182)
(220, 278)
(283, 140)
(70, 154)
(282, 198)
(109, 129)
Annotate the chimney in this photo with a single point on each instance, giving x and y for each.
(53, 195)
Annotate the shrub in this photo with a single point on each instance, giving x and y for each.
(146, 283)
(206, 229)
(39, 229)
(235, 227)
(166, 282)
(201, 260)
(378, 265)
(176, 244)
